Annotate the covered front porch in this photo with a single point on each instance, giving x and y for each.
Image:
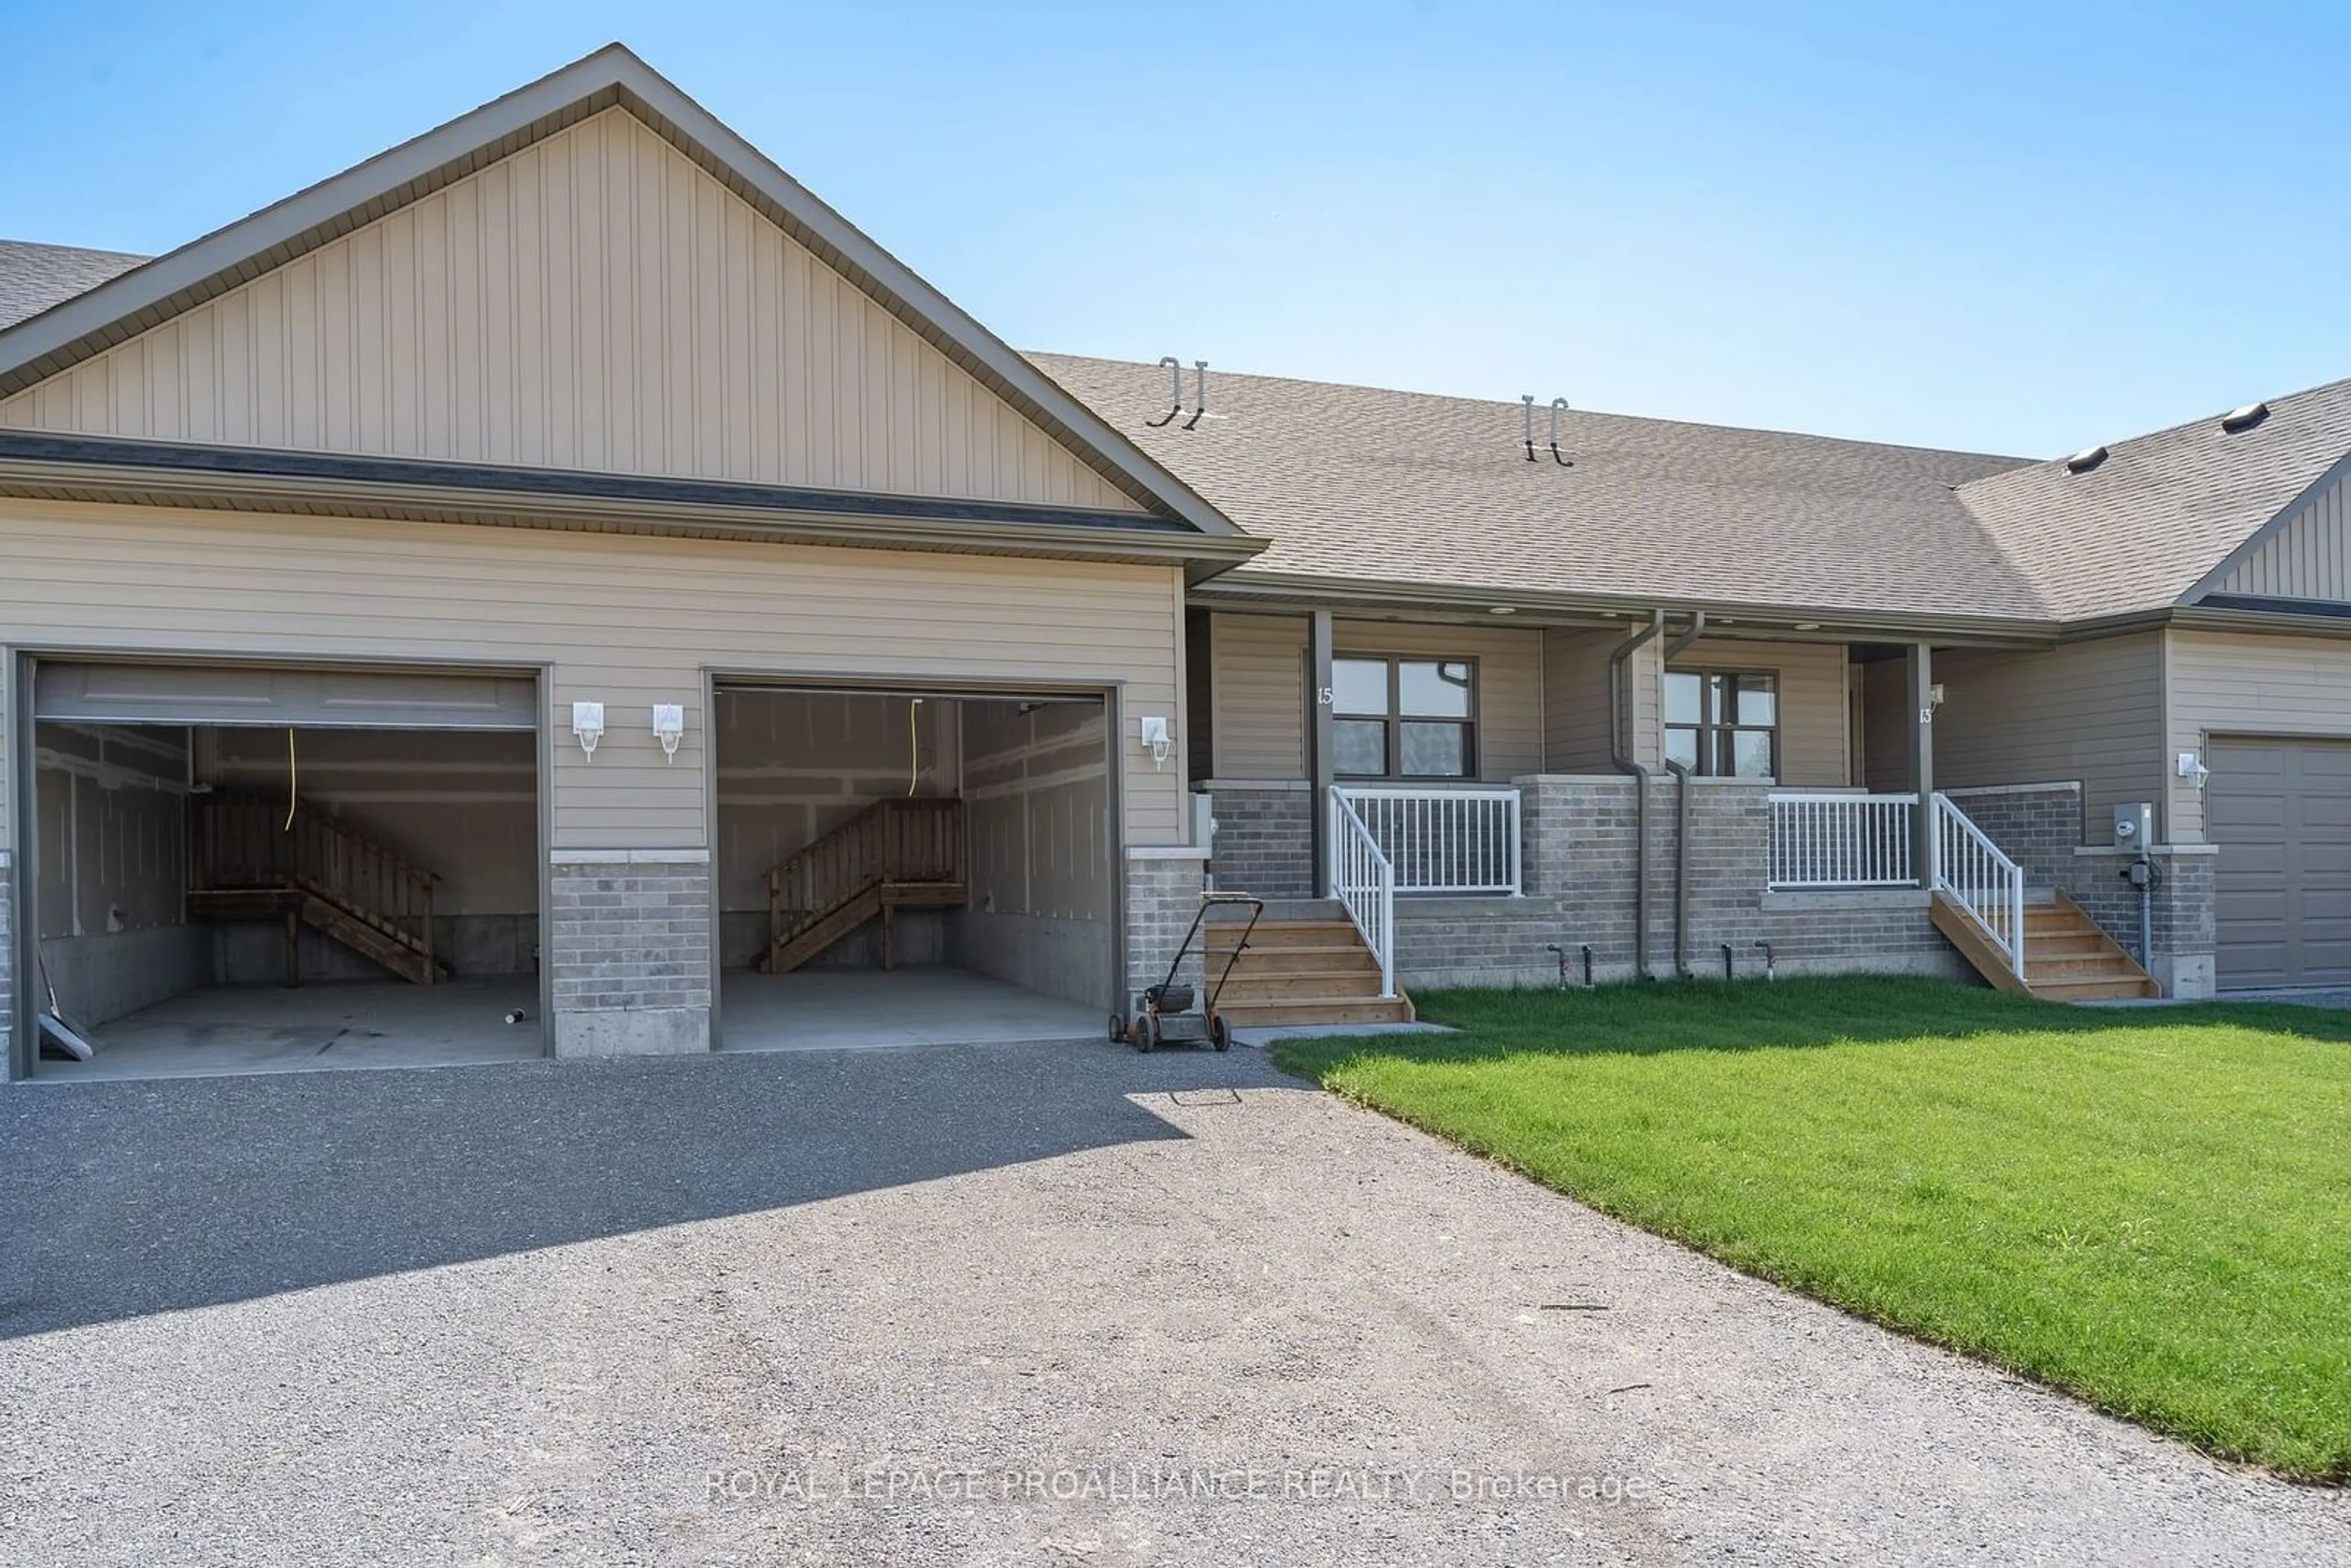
(1526, 803)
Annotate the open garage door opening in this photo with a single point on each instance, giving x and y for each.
(241, 870)
(913, 867)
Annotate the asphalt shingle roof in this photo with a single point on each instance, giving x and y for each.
(2147, 524)
(1357, 483)
(33, 277)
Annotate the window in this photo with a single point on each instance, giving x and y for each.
(1404, 718)
(1723, 725)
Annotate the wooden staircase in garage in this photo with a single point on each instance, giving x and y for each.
(249, 860)
(2068, 956)
(895, 854)
(1305, 964)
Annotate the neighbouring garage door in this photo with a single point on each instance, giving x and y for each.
(315, 698)
(2281, 812)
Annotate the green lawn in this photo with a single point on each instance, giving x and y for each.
(2149, 1208)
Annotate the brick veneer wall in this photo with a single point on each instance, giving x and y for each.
(2038, 826)
(1265, 838)
(2184, 919)
(1579, 857)
(629, 952)
(1162, 895)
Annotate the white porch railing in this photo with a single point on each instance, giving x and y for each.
(1364, 878)
(1441, 841)
(1836, 839)
(1976, 876)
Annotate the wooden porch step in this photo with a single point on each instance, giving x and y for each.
(1295, 960)
(1245, 988)
(1285, 934)
(2068, 956)
(1320, 1010)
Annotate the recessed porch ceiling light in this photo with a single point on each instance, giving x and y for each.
(1808, 625)
(1503, 610)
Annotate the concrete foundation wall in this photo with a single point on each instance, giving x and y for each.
(253, 953)
(629, 941)
(921, 939)
(1264, 838)
(110, 815)
(101, 977)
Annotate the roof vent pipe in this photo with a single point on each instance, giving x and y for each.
(1528, 413)
(1640, 772)
(1175, 369)
(1558, 407)
(1201, 401)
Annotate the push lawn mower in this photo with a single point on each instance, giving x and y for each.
(1164, 1014)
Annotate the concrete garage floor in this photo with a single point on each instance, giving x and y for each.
(321, 1026)
(858, 1010)
(1010, 1305)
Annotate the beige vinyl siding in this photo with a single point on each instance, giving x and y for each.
(1258, 695)
(2308, 556)
(1258, 689)
(623, 620)
(1576, 701)
(1814, 714)
(595, 301)
(2088, 711)
(2226, 682)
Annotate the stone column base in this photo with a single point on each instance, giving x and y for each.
(1162, 895)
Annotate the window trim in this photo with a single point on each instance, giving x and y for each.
(1708, 725)
(1471, 724)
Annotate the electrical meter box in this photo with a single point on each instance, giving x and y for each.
(2134, 825)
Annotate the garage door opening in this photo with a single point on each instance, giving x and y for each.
(243, 871)
(906, 868)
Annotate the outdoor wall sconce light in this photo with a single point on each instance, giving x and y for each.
(669, 726)
(588, 725)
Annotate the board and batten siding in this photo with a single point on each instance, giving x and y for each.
(594, 301)
(628, 621)
(1815, 750)
(2091, 712)
(2308, 556)
(2247, 683)
(1257, 689)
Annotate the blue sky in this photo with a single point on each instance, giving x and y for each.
(2019, 228)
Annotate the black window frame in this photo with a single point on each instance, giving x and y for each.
(1714, 747)
(1395, 718)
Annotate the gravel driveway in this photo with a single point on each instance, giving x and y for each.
(1067, 1304)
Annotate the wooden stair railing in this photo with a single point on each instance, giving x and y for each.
(895, 853)
(247, 859)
